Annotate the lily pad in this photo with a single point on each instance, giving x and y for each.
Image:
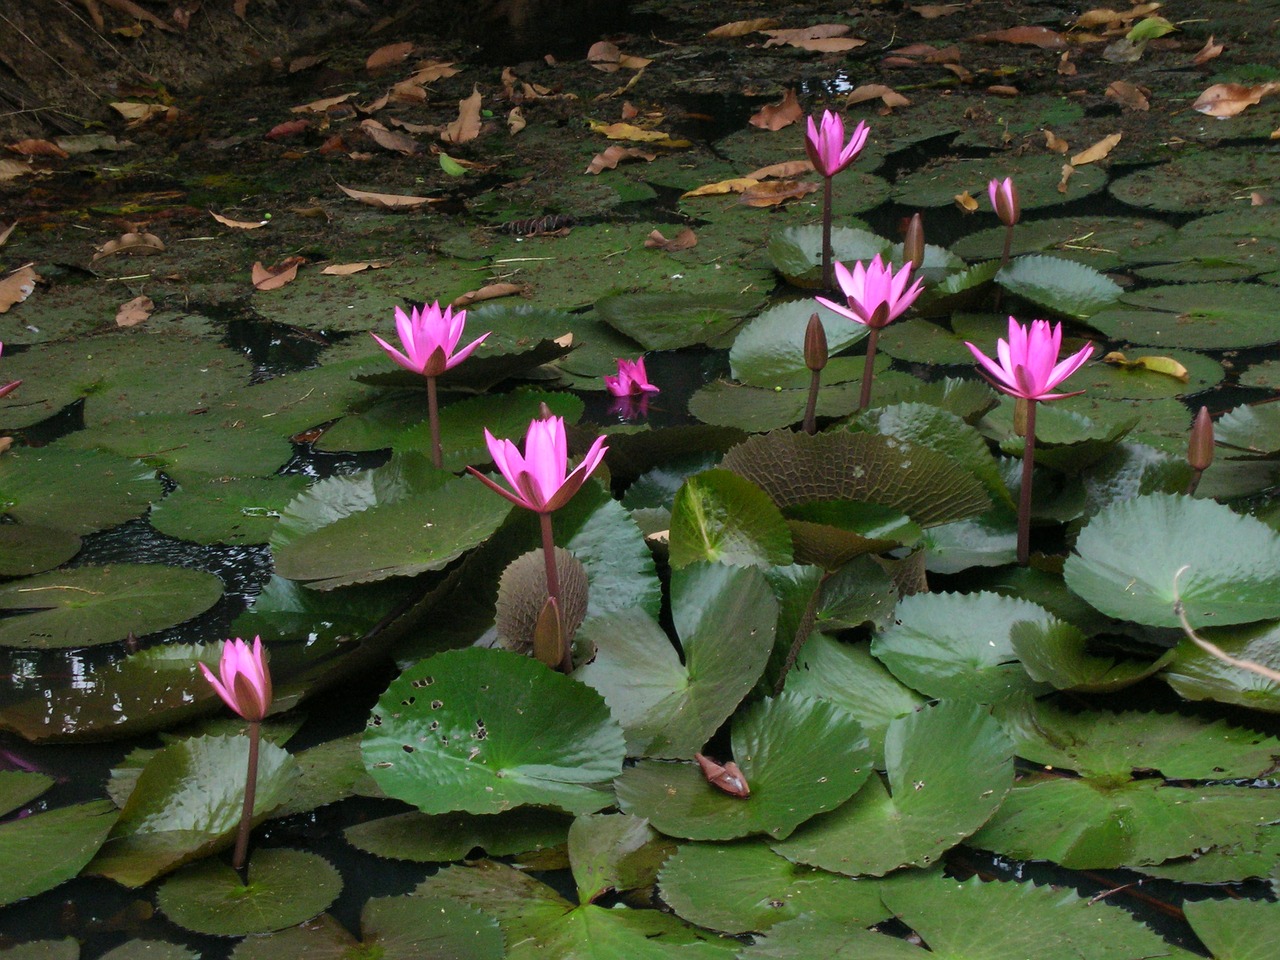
(757, 409)
(95, 605)
(228, 511)
(483, 731)
(1199, 180)
(949, 767)
(1063, 287)
(1199, 316)
(783, 747)
(1235, 929)
(1232, 563)
(659, 321)
(797, 251)
(285, 888)
(78, 491)
(1198, 675)
(720, 517)
(45, 849)
(769, 351)
(27, 548)
(614, 852)
(1057, 653)
(1099, 242)
(1037, 176)
(422, 838)
(19, 787)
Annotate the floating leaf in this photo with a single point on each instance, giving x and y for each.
(1064, 287)
(1057, 653)
(45, 849)
(669, 321)
(27, 548)
(1198, 675)
(797, 251)
(769, 350)
(720, 517)
(431, 839)
(79, 491)
(1235, 929)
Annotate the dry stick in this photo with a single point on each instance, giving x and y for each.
(433, 417)
(246, 813)
(1213, 650)
(1024, 495)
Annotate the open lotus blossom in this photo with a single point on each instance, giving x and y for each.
(245, 682)
(875, 295)
(631, 379)
(430, 338)
(1028, 364)
(540, 477)
(825, 144)
(1004, 200)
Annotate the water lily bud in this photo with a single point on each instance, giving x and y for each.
(727, 778)
(548, 635)
(1004, 200)
(913, 242)
(815, 345)
(1200, 447)
(544, 412)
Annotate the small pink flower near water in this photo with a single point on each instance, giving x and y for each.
(875, 295)
(430, 338)
(631, 379)
(1004, 200)
(245, 682)
(1028, 365)
(826, 147)
(540, 477)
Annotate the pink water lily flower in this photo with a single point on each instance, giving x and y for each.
(825, 144)
(1028, 364)
(430, 337)
(540, 477)
(876, 296)
(631, 379)
(245, 684)
(1004, 200)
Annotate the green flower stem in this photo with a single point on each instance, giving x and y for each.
(250, 790)
(864, 398)
(433, 417)
(811, 408)
(553, 588)
(1024, 498)
(828, 278)
(1008, 246)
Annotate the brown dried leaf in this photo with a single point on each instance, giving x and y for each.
(1003, 90)
(347, 269)
(467, 126)
(491, 291)
(408, 127)
(722, 187)
(1034, 36)
(290, 128)
(604, 56)
(1054, 142)
(17, 286)
(390, 139)
(388, 201)
(740, 28)
(932, 11)
(389, 55)
(1065, 67)
(1097, 151)
(827, 44)
(139, 113)
(239, 8)
(12, 169)
(406, 91)
(1067, 172)
(298, 64)
(818, 31)
(134, 312)
(1229, 99)
(949, 54)
(683, 240)
(1130, 96)
(1210, 51)
(273, 278)
(966, 202)
(775, 116)
(633, 63)
(320, 106)
(431, 70)
(877, 91)
(133, 244)
(131, 9)
(238, 224)
(89, 142)
(37, 148)
(5, 231)
(516, 121)
(1257, 199)
(788, 168)
(775, 192)
(610, 157)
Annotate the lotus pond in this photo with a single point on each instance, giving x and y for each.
(948, 753)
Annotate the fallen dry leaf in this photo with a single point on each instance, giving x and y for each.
(406, 91)
(1257, 199)
(17, 286)
(1165, 365)
(1112, 19)
(610, 157)
(516, 121)
(388, 201)
(721, 187)
(1034, 36)
(818, 31)
(139, 113)
(134, 312)
(347, 269)
(1097, 151)
(273, 278)
(12, 169)
(1068, 171)
(931, 11)
(775, 116)
(5, 231)
(683, 240)
(788, 168)
(491, 291)
(965, 202)
(627, 131)
(298, 64)
(1002, 90)
(1065, 67)
(290, 128)
(740, 28)
(390, 139)
(37, 148)
(239, 224)
(320, 106)
(1210, 51)
(775, 192)
(89, 142)
(606, 57)
(129, 8)
(1054, 142)
(1224, 100)
(829, 44)
(431, 70)
(1130, 96)
(877, 91)
(389, 55)
(467, 126)
(133, 244)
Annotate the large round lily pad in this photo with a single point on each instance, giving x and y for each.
(43, 850)
(79, 491)
(1063, 287)
(483, 731)
(1036, 175)
(1199, 316)
(1199, 181)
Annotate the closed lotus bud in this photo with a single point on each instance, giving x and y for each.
(1200, 447)
(815, 345)
(544, 412)
(727, 778)
(1004, 200)
(548, 635)
(913, 242)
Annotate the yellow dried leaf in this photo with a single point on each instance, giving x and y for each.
(238, 224)
(740, 28)
(775, 192)
(788, 168)
(628, 131)
(17, 286)
(1162, 365)
(467, 126)
(1068, 171)
(722, 187)
(1097, 151)
(966, 202)
(320, 106)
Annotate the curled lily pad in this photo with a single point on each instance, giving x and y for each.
(797, 251)
(1198, 675)
(720, 517)
(1062, 287)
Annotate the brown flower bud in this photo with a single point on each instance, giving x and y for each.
(913, 242)
(727, 778)
(815, 345)
(1200, 446)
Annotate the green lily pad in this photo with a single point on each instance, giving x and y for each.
(990, 540)
(1063, 287)
(1235, 929)
(830, 533)
(922, 341)
(1118, 382)
(95, 605)
(483, 731)
(957, 290)
(1249, 430)
(933, 648)
(150, 950)
(226, 511)
(462, 424)
(724, 618)
(1198, 675)
(944, 432)
(797, 251)
(757, 409)
(1057, 653)
(68, 949)
(861, 591)
(1199, 181)
(668, 321)
(1036, 175)
(187, 803)
(1099, 242)
(76, 491)
(1199, 316)
(45, 849)
(754, 889)
(19, 787)
(720, 517)
(769, 350)
(805, 937)
(422, 838)
(27, 548)
(285, 888)
(949, 767)
(1197, 258)
(1232, 562)
(783, 747)
(614, 852)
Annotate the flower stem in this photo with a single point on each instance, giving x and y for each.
(553, 588)
(864, 398)
(1008, 246)
(433, 417)
(1024, 498)
(246, 812)
(811, 408)
(828, 279)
